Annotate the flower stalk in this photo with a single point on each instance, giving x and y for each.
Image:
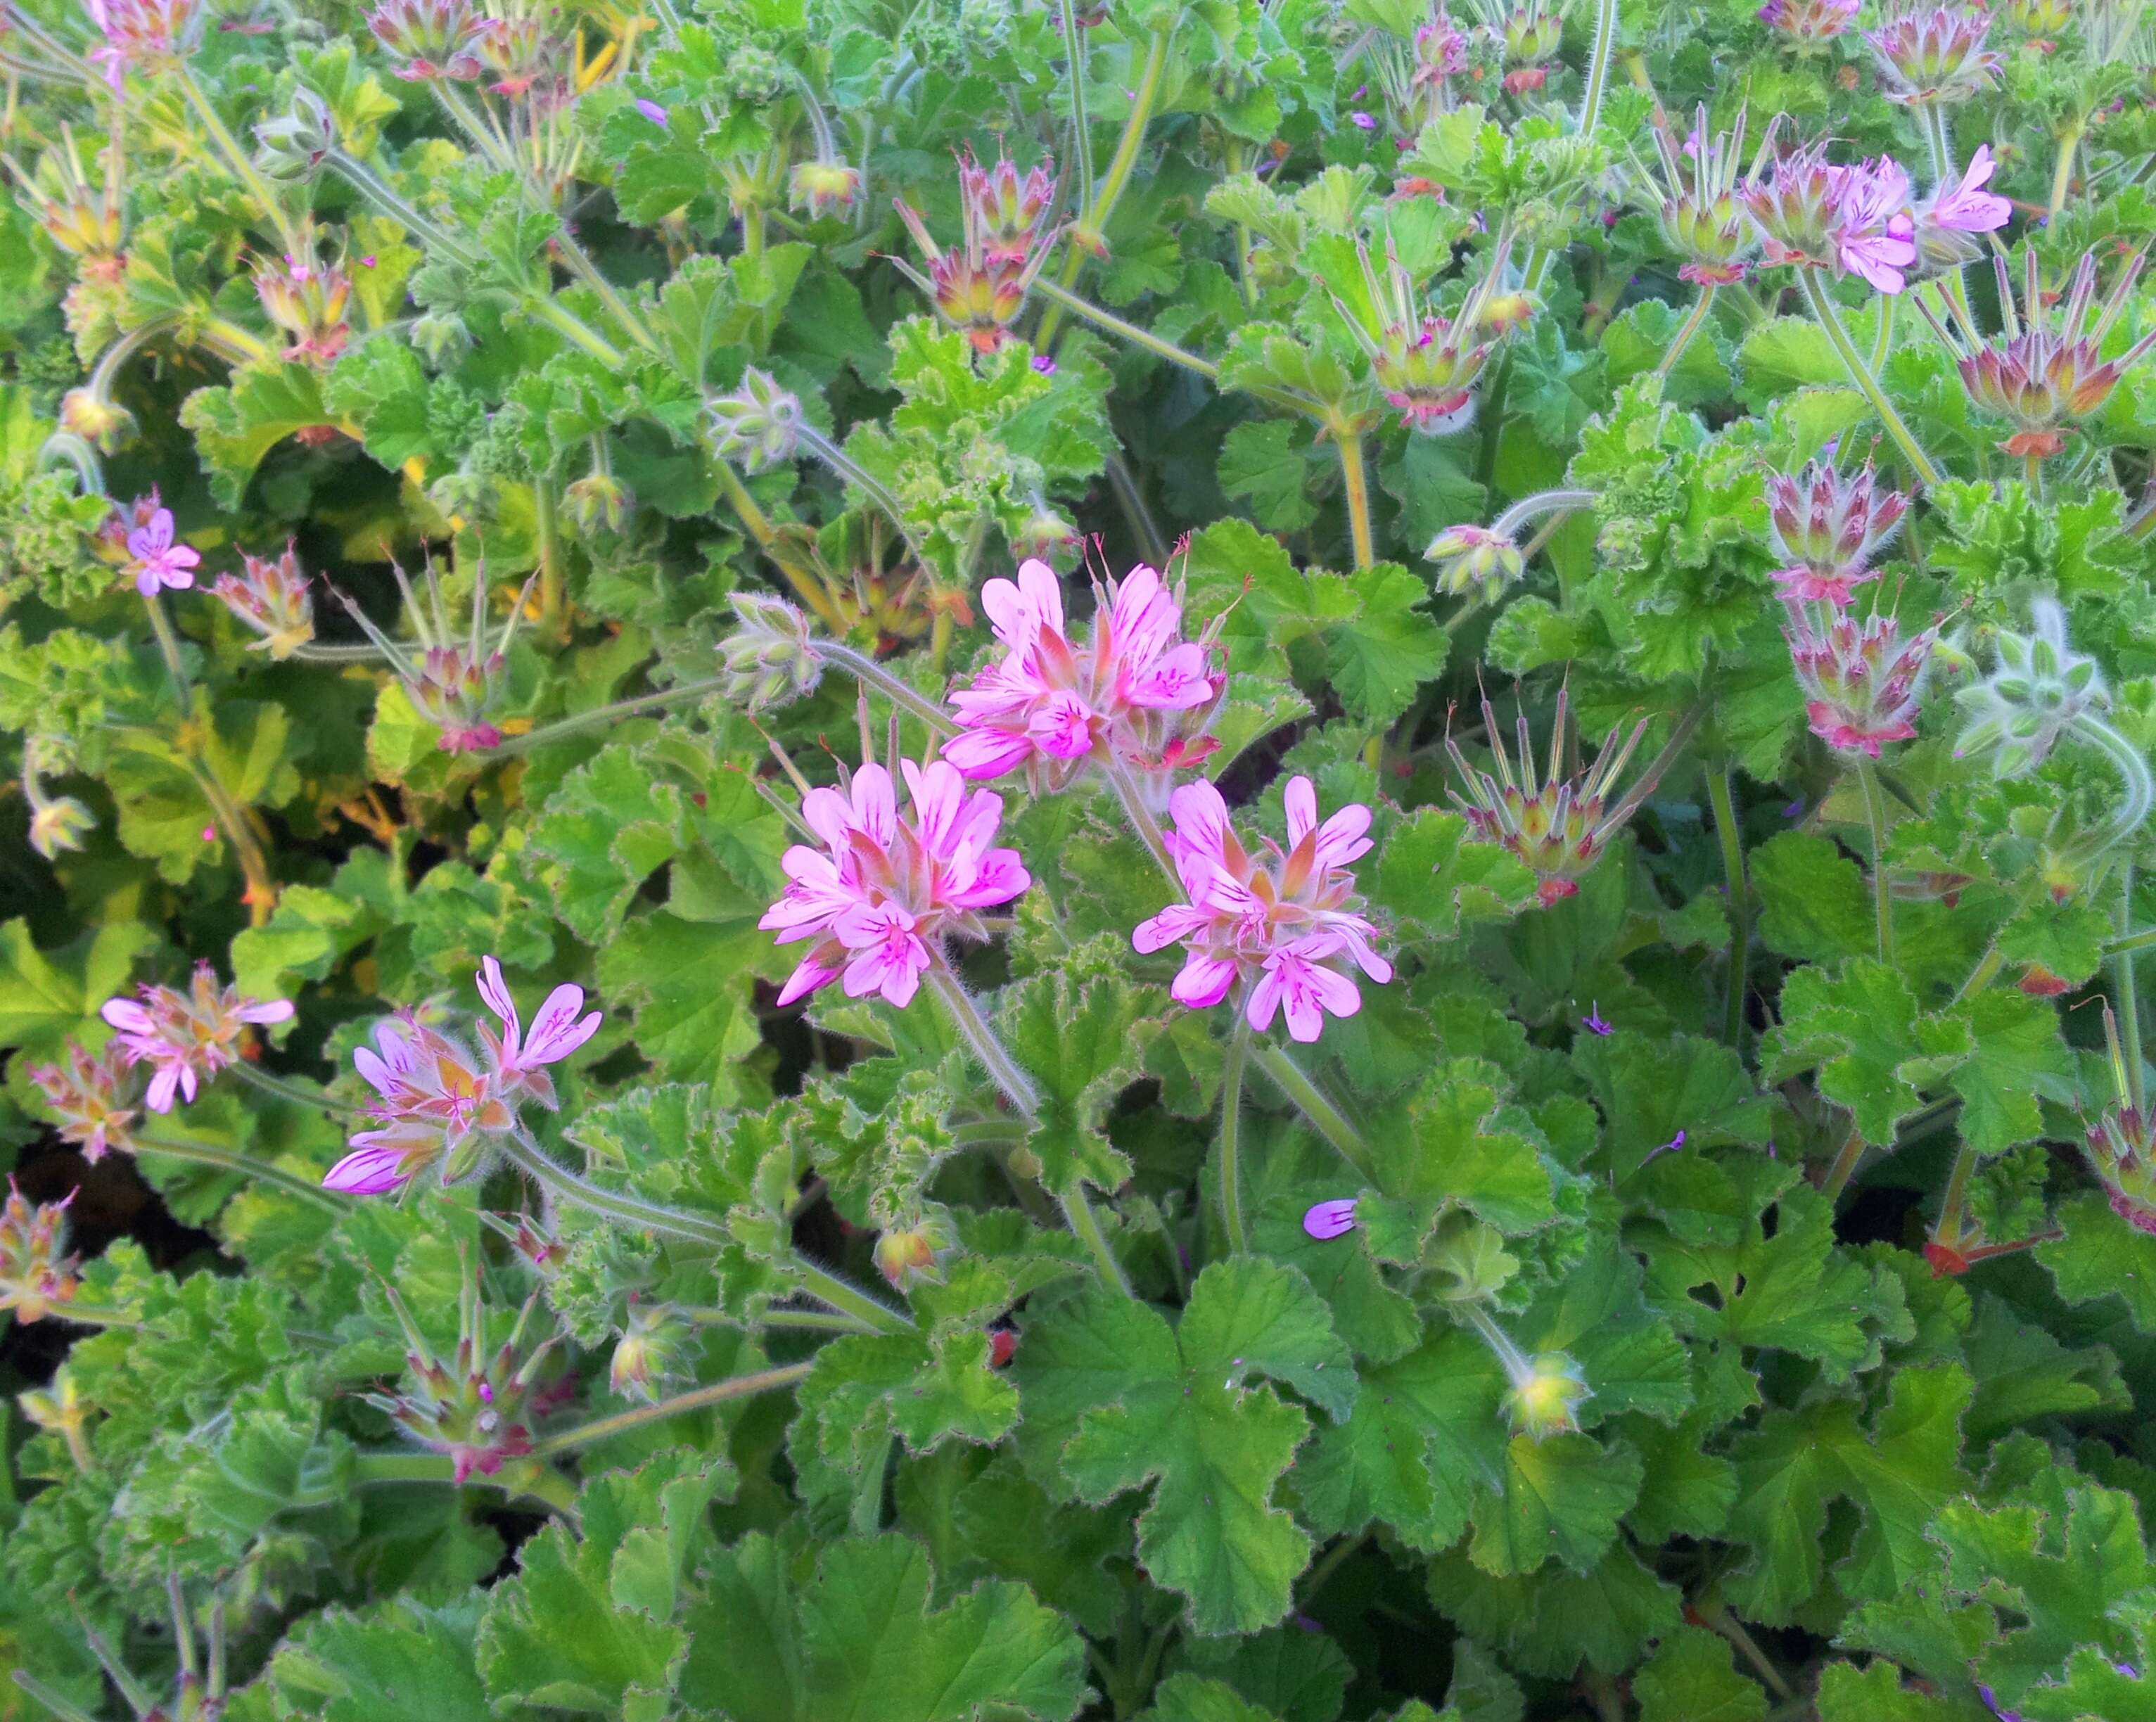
(1231, 1136)
(1821, 301)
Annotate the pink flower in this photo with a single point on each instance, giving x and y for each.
(158, 561)
(557, 1031)
(1851, 219)
(882, 894)
(436, 1103)
(1830, 524)
(185, 1036)
(1329, 1219)
(1810, 22)
(1954, 212)
(137, 31)
(1135, 691)
(1279, 923)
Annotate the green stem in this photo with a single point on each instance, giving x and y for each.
(1844, 1167)
(1231, 1135)
(1692, 326)
(609, 713)
(1062, 298)
(539, 1482)
(1597, 69)
(282, 1090)
(1142, 822)
(1882, 339)
(2130, 942)
(868, 671)
(1356, 485)
(1074, 51)
(1093, 226)
(1823, 310)
(226, 1159)
(1724, 802)
(1954, 1208)
(235, 158)
(974, 1028)
(1086, 1225)
(96, 1315)
(1324, 1116)
(2129, 1007)
(854, 473)
(2062, 173)
(812, 1321)
(1882, 894)
(843, 1295)
(696, 1398)
(1940, 145)
(1980, 977)
(169, 644)
(524, 1153)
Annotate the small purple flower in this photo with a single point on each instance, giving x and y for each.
(1362, 120)
(1329, 1219)
(1671, 1146)
(1045, 364)
(1593, 1022)
(158, 559)
(651, 111)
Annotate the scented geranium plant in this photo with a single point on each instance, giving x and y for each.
(1213, 863)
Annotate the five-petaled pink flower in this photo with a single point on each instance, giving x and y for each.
(1135, 691)
(1854, 220)
(435, 1100)
(1279, 922)
(186, 1036)
(1955, 211)
(158, 561)
(880, 895)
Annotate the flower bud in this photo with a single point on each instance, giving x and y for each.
(757, 426)
(270, 598)
(1934, 54)
(1546, 1396)
(649, 1352)
(598, 502)
(1472, 559)
(37, 1275)
(58, 826)
(2041, 689)
(908, 1256)
(819, 187)
(1809, 24)
(434, 40)
(294, 144)
(1830, 524)
(770, 657)
(99, 420)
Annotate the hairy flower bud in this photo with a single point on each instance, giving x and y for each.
(1545, 1398)
(1810, 24)
(97, 419)
(1934, 54)
(92, 1099)
(58, 825)
(1475, 561)
(293, 145)
(598, 502)
(770, 657)
(270, 598)
(821, 188)
(432, 40)
(758, 425)
(2041, 689)
(1861, 681)
(1852, 219)
(911, 1254)
(1828, 524)
(652, 1350)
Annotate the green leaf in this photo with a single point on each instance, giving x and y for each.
(47, 998)
(234, 427)
(1875, 1695)
(1692, 1677)
(1430, 876)
(2101, 1256)
(1638, 342)
(2024, 1375)
(1560, 1499)
(1380, 660)
(400, 1661)
(1081, 1031)
(857, 1642)
(2019, 1059)
(1191, 1697)
(1649, 1090)
(688, 982)
(1860, 1028)
(1899, 1476)
(1458, 1142)
(1296, 1674)
(1116, 1399)
(1267, 462)
(1813, 901)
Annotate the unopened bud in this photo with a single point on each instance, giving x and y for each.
(294, 144)
(649, 1352)
(103, 423)
(1546, 1396)
(598, 502)
(58, 826)
(819, 187)
(1472, 559)
(907, 1255)
(771, 657)
(757, 426)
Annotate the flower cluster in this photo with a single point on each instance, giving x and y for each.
(1425, 364)
(89, 1097)
(186, 1037)
(1828, 524)
(437, 1105)
(270, 597)
(1862, 680)
(1135, 691)
(36, 1274)
(2045, 368)
(1851, 219)
(1810, 24)
(1277, 921)
(452, 684)
(140, 34)
(1949, 221)
(1559, 824)
(1934, 54)
(884, 891)
(981, 287)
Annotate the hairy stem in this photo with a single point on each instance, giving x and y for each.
(974, 1028)
(696, 1398)
(226, 1159)
(1597, 69)
(1882, 892)
(1086, 1225)
(609, 713)
(2129, 1005)
(282, 1090)
(1356, 483)
(1324, 1116)
(1142, 822)
(524, 1152)
(1061, 298)
(1231, 1136)
(865, 670)
(236, 158)
(1724, 802)
(1821, 301)
(1844, 1167)
(2062, 171)
(1691, 327)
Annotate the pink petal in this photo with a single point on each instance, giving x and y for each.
(982, 754)
(1339, 839)
(1200, 818)
(494, 990)
(805, 979)
(939, 798)
(1204, 982)
(876, 806)
(1301, 799)
(1330, 1220)
(555, 1033)
(1008, 613)
(127, 1017)
(1001, 877)
(1173, 924)
(1044, 593)
(161, 1085)
(268, 1012)
(830, 815)
(1063, 727)
(367, 1171)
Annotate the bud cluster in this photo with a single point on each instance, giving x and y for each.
(2122, 1144)
(2041, 688)
(1862, 682)
(453, 684)
(432, 40)
(91, 1099)
(1934, 54)
(1558, 824)
(1809, 25)
(1828, 524)
(758, 425)
(770, 658)
(270, 597)
(37, 1275)
(981, 287)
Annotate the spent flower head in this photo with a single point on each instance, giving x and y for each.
(91, 1099)
(1132, 690)
(1558, 824)
(476, 1404)
(1862, 680)
(1852, 219)
(188, 1036)
(2045, 368)
(1809, 25)
(2121, 1142)
(1934, 54)
(883, 892)
(981, 287)
(83, 219)
(453, 684)
(437, 1105)
(432, 40)
(36, 1274)
(270, 597)
(2041, 689)
(1278, 921)
(1426, 364)
(1828, 524)
(1702, 220)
